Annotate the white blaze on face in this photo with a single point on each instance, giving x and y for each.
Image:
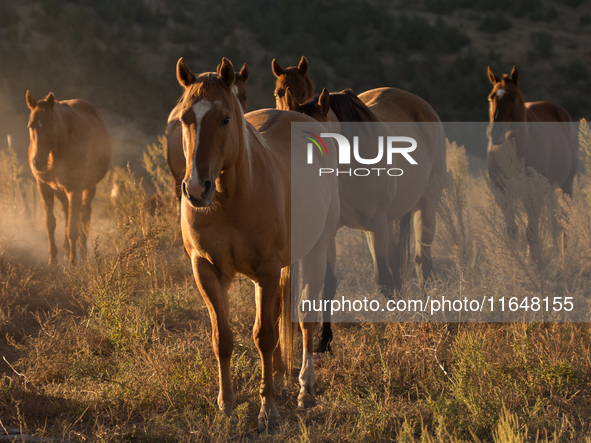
(200, 109)
(235, 90)
(500, 94)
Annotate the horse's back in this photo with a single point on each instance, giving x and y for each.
(554, 128)
(313, 200)
(396, 105)
(85, 129)
(546, 112)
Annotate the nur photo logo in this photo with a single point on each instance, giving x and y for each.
(387, 147)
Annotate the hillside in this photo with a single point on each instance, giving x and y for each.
(121, 55)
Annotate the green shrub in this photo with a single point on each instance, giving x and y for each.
(543, 43)
(577, 71)
(495, 23)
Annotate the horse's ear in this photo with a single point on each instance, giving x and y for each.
(303, 66)
(291, 102)
(277, 69)
(492, 77)
(226, 72)
(50, 99)
(515, 75)
(31, 102)
(244, 73)
(324, 102)
(184, 74)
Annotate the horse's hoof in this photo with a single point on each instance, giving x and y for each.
(266, 423)
(306, 400)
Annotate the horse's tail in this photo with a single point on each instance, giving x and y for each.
(402, 245)
(289, 278)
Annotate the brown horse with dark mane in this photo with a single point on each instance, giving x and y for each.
(296, 78)
(549, 149)
(69, 153)
(176, 157)
(241, 214)
(380, 205)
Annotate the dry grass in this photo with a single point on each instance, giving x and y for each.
(118, 348)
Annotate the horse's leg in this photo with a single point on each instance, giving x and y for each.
(424, 224)
(63, 198)
(398, 248)
(214, 286)
(279, 366)
(328, 293)
(47, 196)
(377, 235)
(85, 211)
(266, 291)
(74, 204)
(307, 395)
(313, 273)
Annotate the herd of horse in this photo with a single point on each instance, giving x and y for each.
(239, 212)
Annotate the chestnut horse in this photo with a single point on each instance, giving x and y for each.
(382, 206)
(550, 150)
(240, 214)
(69, 153)
(296, 79)
(176, 158)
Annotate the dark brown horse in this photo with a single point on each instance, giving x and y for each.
(380, 205)
(176, 157)
(550, 149)
(69, 153)
(296, 79)
(241, 214)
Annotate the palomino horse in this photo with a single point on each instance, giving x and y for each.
(380, 205)
(176, 158)
(239, 213)
(550, 150)
(296, 79)
(69, 153)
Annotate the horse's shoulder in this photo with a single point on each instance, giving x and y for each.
(543, 111)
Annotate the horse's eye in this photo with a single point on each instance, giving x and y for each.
(303, 94)
(514, 99)
(490, 99)
(225, 121)
(275, 95)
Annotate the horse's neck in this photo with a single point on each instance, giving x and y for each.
(237, 180)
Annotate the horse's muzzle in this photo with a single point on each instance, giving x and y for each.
(199, 196)
(496, 133)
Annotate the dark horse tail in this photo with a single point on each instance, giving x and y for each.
(401, 249)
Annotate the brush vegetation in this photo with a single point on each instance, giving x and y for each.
(118, 348)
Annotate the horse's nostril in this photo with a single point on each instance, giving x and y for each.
(207, 186)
